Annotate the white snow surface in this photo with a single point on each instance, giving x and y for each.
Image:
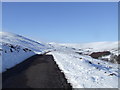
(24, 42)
(86, 72)
(11, 56)
(88, 48)
(82, 71)
(95, 45)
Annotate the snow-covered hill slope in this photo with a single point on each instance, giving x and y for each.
(95, 45)
(89, 48)
(83, 71)
(15, 49)
(92, 47)
(11, 55)
(23, 41)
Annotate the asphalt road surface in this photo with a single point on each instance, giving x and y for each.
(39, 71)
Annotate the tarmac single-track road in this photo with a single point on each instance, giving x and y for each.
(39, 71)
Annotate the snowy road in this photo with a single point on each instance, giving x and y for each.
(39, 71)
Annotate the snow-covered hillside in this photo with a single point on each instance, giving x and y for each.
(93, 47)
(75, 60)
(12, 55)
(15, 49)
(90, 48)
(83, 71)
(23, 41)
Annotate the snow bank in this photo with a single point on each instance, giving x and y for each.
(85, 72)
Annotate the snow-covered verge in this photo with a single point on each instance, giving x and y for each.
(85, 72)
(15, 49)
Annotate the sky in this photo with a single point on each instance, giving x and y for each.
(63, 22)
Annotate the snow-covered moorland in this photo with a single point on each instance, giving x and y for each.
(75, 60)
(83, 71)
(24, 42)
(15, 49)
